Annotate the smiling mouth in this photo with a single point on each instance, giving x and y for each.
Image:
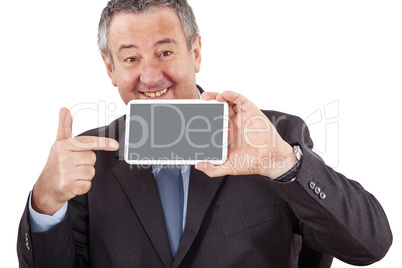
(155, 94)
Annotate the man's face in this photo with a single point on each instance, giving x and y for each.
(151, 57)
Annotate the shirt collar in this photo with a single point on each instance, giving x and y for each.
(157, 168)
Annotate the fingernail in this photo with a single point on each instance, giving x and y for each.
(113, 144)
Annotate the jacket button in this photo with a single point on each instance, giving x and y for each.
(27, 241)
(311, 185)
(317, 190)
(323, 195)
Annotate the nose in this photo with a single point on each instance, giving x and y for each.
(151, 73)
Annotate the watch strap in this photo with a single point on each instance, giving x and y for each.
(292, 173)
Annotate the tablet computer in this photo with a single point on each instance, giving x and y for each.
(176, 132)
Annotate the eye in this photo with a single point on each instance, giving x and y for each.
(166, 53)
(131, 59)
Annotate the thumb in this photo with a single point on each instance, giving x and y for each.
(65, 125)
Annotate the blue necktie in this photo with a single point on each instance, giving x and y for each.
(170, 187)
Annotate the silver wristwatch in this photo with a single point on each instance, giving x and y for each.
(298, 152)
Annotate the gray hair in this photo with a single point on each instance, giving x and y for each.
(181, 7)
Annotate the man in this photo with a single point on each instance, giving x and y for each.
(272, 198)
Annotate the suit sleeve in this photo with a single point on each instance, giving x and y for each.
(335, 215)
(60, 246)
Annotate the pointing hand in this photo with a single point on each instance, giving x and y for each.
(70, 167)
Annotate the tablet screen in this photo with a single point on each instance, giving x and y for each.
(176, 132)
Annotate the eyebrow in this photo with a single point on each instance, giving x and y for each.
(122, 47)
(166, 40)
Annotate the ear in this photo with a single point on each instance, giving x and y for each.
(109, 69)
(196, 49)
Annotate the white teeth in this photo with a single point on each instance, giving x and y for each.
(156, 94)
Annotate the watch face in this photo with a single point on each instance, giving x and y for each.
(298, 152)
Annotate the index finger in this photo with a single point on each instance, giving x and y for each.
(85, 143)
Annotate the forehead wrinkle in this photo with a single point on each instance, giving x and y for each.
(166, 40)
(148, 22)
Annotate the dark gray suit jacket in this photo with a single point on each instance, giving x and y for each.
(232, 221)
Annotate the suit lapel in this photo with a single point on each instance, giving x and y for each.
(202, 190)
(140, 187)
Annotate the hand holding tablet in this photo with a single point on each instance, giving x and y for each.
(254, 145)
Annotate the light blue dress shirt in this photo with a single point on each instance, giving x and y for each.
(41, 222)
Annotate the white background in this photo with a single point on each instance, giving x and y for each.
(294, 56)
